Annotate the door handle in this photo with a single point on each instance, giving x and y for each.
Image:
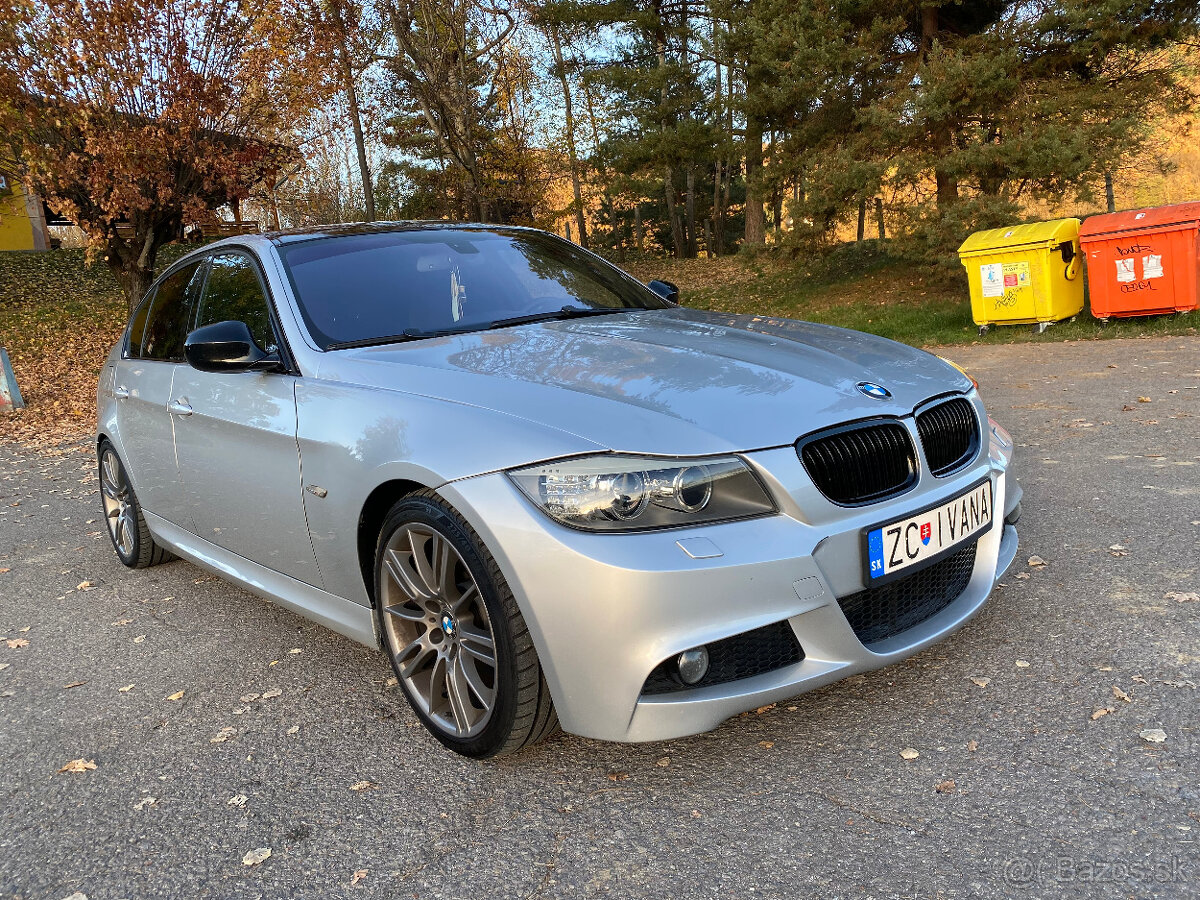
(179, 407)
(121, 392)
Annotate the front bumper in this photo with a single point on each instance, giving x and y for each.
(604, 609)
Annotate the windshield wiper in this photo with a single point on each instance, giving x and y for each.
(408, 334)
(413, 334)
(567, 312)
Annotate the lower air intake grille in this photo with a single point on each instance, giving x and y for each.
(741, 656)
(861, 464)
(950, 435)
(879, 613)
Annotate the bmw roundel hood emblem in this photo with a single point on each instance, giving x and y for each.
(874, 390)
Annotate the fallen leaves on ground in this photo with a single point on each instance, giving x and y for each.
(294, 729)
(238, 800)
(144, 802)
(79, 766)
(618, 776)
(85, 585)
(766, 745)
(223, 735)
(363, 786)
(972, 746)
(1152, 735)
(121, 622)
(4, 570)
(73, 684)
(1102, 712)
(178, 695)
(126, 689)
(359, 875)
(271, 694)
(980, 680)
(1144, 400)
(946, 787)
(1182, 597)
(1118, 550)
(254, 857)
(1021, 664)
(139, 638)
(16, 643)
(909, 754)
(664, 762)
(1119, 694)
(1037, 562)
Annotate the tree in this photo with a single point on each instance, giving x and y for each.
(347, 27)
(448, 57)
(133, 116)
(965, 109)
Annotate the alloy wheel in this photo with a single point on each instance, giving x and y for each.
(119, 511)
(439, 630)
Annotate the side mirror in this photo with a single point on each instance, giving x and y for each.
(666, 290)
(228, 347)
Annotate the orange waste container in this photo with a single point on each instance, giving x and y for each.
(1143, 262)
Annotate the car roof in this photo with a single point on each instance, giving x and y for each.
(294, 235)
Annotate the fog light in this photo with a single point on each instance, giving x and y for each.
(692, 665)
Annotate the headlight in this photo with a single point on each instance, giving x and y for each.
(635, 493)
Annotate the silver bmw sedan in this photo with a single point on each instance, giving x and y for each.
(551, 494)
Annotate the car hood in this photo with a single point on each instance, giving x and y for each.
(674, 381)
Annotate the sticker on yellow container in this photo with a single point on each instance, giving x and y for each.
(992, 277)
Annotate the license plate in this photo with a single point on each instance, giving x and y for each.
(908, 542)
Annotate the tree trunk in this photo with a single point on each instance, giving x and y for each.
(637, 226)
(879, 218)
(1108, 192)
(364, 169)
(132, 263)
(677, 237)
(569, 111)
(941, 132)
(862, 219)
(691, 212)
(756, 234)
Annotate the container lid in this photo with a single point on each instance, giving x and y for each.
(1048, 234)
(1095, 227)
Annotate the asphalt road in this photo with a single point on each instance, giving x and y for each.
(1017, 791)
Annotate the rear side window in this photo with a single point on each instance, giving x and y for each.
(170, 315)
(138, 326)
(235, 293)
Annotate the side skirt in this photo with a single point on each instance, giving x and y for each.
(351, 619)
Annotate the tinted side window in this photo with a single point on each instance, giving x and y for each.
(138, 326)
(171, 314)
(234, 293)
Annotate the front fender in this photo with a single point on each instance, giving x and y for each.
(354, 438)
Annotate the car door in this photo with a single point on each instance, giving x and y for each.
(235, 435)
(142, 386)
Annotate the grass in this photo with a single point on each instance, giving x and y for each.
(870, 292)
(59, 316)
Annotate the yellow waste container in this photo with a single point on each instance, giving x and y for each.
(1026, 274)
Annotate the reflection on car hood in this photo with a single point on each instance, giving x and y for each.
(662, 381)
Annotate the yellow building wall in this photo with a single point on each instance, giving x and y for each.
(18, 231)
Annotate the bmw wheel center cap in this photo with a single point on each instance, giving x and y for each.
(873, 390)
(448, 626)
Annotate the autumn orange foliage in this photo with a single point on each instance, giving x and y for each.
(151, 113)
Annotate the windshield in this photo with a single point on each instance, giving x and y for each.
(361, 289)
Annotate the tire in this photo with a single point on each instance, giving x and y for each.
(131, 538)
(441, 599)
